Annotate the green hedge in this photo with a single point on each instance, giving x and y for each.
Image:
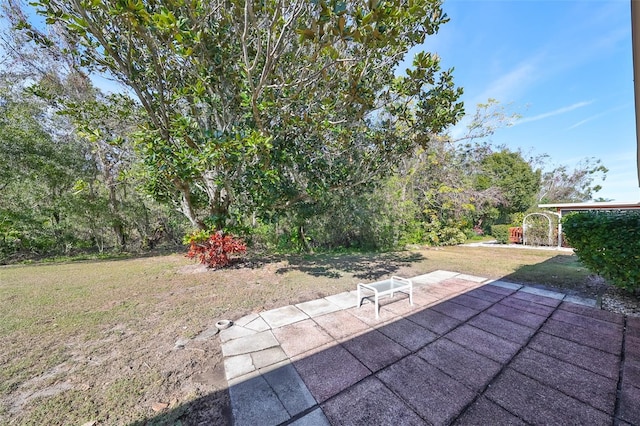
(501, 233)
(608, 243)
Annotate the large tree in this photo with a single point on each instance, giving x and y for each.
(564, 185)
(514, 176)
(268, 103)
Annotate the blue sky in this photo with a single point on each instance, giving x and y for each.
(565, 66)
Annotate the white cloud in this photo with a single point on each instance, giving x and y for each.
(555, 112)
(593, 117)
(504, 87)
(586, 120)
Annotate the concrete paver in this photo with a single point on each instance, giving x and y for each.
(472, 302)
(408, 334)
(329, 372)
(631, 370)
(436, 276)
(592, 303)
(507, 287)
(452, 286)
(585, 386)
(248, 344)
(421, 298)
(527, 306)
(370, 403)
(290, 389)
(266, 357)
(536, 403)
(629, 407)
(315, 308)
(608, 342)
(502, 328)
(375, 350)
(464, 365)
(341, 325)
(258, 324)
(631, 345)
(633, 323)
(483, 412)
(540, 300)
(234, 333)
(239, 365)
(489, 296)
(582, 321)
(430, 278)
(434, 321)
(454, 310)
(283, 316)
(591, 359)
(468, 352)
(246, 319)
(254, 402)
(367, 313)
(484, 343)
(314, 418)
(545, 293)
(344, 300)
(593, 312)
(243, 321)
(301, 337)
(517, 316)
(412, 377)
(472, 278)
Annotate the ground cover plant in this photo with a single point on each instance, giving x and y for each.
(104, 341)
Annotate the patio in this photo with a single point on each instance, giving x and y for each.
(468, 351)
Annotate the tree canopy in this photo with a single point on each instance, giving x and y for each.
(270, 102)
(287, 123)
(564, 185)
(515, 177)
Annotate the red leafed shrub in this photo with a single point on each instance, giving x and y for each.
(214, 249)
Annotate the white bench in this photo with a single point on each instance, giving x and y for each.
(386, 287)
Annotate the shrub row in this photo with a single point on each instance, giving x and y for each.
(608, 243)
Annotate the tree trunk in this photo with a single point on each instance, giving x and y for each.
(186, 207)
(116, 217)
(303, 238)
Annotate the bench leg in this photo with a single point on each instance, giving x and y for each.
(377, 307)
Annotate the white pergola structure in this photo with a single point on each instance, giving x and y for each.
(564, 208)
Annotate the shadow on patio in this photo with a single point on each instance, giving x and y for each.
(467, 352)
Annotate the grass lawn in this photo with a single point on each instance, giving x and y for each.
(96, 341)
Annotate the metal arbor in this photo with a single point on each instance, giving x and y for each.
(546, 215)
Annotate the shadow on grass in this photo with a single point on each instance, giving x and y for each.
(89, 256)
(210, 409)
(560, 273)
(362, 266)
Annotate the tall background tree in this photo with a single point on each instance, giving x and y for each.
(68, 168)
(565, 185)
(270, 95)
(286, 122)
